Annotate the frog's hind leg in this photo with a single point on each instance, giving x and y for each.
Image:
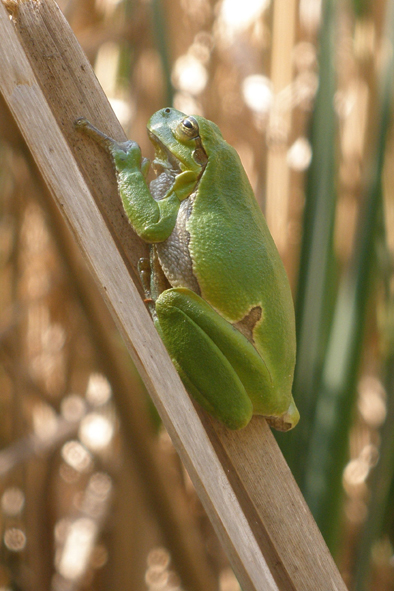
(206, 372)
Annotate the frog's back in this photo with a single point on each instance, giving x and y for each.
(237, 265)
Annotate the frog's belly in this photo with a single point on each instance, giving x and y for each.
(174, 253)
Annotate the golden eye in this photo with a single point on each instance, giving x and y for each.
(189, 127)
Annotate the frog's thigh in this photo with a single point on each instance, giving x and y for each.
(204, 369)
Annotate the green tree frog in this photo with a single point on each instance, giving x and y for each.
(216, 286)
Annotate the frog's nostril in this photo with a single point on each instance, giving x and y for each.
(168, 110)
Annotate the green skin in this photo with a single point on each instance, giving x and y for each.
(216, 286)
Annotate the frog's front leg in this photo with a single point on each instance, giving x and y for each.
(152, 220)
(219, 367)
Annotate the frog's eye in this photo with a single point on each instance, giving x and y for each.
(189, 127)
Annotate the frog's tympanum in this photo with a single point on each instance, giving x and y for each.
(218, 292)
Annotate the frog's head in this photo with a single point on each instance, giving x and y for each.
(178, 141)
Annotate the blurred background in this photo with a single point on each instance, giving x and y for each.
(94, 499)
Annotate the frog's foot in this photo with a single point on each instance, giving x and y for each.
(286, 421)
(144, 271)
